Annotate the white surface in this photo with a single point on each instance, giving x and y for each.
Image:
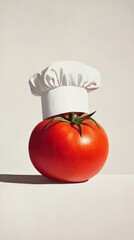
(100, 209)
(36, 33)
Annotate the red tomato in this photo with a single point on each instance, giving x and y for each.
(60, 153)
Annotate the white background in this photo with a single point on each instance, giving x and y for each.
(34, 34)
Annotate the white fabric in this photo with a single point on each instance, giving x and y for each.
(66, 73)
(64, 99)
(64, 87)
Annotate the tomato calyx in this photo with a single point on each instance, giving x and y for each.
(74, 118)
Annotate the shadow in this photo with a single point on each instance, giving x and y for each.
(31, 179)
(27, 179)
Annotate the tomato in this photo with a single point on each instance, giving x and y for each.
(68, 152)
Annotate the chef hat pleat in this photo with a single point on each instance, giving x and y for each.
(64, 87)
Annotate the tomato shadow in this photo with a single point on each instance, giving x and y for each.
(26, 179)
(30, 179)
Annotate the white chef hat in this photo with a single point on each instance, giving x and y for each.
(64, 87)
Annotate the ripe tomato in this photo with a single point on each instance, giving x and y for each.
(61, 152)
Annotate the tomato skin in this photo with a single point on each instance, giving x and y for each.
(60, 153)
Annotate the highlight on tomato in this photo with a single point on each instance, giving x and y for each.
(69, 147)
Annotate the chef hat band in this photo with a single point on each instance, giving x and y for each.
(64, 87)
(63, 100)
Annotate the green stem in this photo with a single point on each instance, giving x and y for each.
(74, 119)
